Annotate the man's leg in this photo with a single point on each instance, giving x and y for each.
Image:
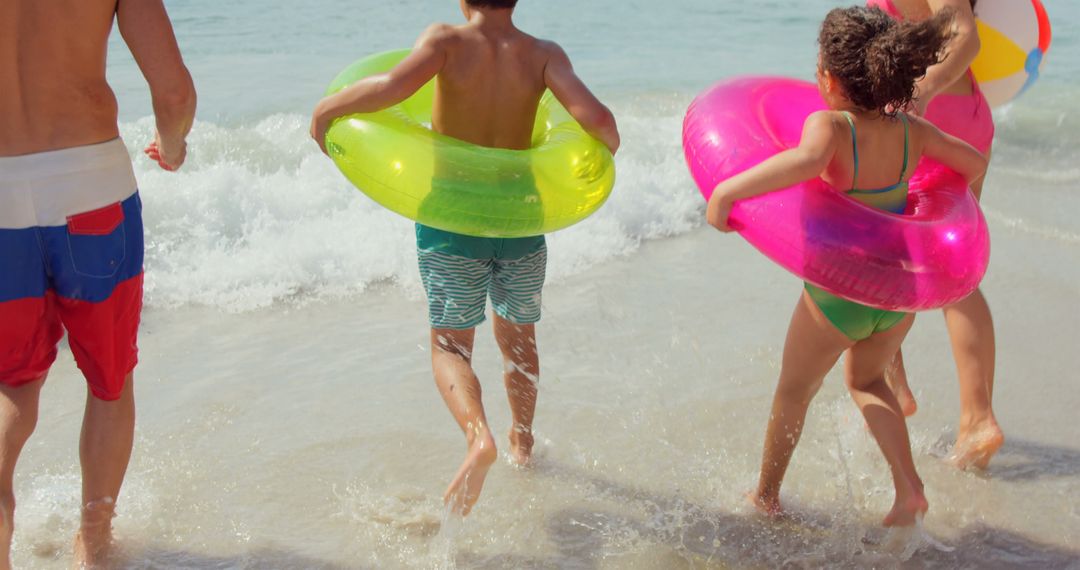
(18, 417)
(521, 373)
(451, 361)
(108, 433)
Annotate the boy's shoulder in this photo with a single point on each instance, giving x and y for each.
(446, 34)
(549, 47)
(545, 50)
(440, 32)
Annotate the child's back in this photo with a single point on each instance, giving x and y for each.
(489, 80)
(490, 83)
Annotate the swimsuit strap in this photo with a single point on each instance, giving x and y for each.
(903, 169)
(854, 147)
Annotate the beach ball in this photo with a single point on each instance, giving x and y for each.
(1015, 35)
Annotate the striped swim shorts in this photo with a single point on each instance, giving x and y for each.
(458, 285)
(71, 257)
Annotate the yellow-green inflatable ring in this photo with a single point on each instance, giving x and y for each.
(397, 160)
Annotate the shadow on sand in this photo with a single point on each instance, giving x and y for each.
(269, 558)
(699, 536)
(1020, 460)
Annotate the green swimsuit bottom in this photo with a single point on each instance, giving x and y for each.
(859, 322)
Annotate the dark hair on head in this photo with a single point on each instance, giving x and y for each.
(492, 3)
(877, 59)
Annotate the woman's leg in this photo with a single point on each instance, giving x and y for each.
(971, 332)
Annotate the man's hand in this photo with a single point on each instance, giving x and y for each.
(148, 32)
(169, 156)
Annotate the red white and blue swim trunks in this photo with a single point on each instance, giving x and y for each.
(71, 257)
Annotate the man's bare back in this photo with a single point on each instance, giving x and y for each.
(52, 67)
(490, 84)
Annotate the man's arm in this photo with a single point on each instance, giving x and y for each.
(378, 92)
(586, 109)
(146, 28)
(959, 53)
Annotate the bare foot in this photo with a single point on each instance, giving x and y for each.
(896, 378)
(93, 543)
(768, 506)
(464, 490)
(521, 444)
(975, 446)
(906, 509)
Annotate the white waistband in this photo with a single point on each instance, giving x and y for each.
(44, 188)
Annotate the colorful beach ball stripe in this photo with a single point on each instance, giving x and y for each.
(1015, 36)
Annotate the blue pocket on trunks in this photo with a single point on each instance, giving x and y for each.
(97, 241)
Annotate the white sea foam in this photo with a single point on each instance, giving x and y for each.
(258, 216)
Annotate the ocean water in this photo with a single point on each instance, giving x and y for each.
(258, 217)
(287, 414)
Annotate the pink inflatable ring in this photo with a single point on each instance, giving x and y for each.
(933, 255)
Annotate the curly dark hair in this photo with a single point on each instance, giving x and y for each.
(492, 3)
(876, 59)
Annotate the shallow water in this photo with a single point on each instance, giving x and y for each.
(300, 438)
(287, 414)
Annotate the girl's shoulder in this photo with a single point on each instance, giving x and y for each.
(825, 118)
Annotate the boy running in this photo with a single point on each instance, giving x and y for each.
(490, 77)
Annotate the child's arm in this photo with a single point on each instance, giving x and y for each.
(806, 161)
(595, 118)
(952, 152)
(378, 92)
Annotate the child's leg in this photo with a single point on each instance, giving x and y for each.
(896, 377)
(516, 293)
(812, 347)
(865, 371)
(451, 361)
(521, 372)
